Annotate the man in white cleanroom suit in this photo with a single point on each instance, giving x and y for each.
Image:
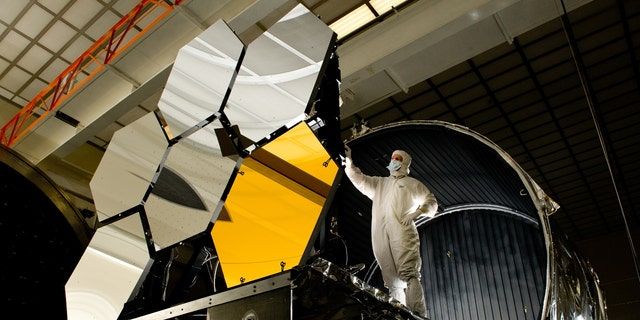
(397, 200)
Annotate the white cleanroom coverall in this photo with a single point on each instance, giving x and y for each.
(397, 200)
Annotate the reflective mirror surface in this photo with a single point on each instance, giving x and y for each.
(279, 74)
(273, 204)
(273, 207)
(128, 166)
(201, 77)
(188, 189)
(121, 256)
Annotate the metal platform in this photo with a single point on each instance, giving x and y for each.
(320, 290)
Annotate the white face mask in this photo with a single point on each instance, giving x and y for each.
(394, 166)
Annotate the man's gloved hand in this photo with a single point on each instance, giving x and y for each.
(347, 162)
(408, 218)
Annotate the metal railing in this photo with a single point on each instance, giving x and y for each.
(142, 18)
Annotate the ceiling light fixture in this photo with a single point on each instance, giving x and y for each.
(365, 15)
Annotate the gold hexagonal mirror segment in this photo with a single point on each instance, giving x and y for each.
(278, 197)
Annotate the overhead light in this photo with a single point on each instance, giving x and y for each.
(352, 21)
(383, 6)
(363, 15)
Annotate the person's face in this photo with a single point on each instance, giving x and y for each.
(396, 157)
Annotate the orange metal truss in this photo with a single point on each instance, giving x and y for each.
(92, 61)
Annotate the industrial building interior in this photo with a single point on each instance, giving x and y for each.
(553, 83)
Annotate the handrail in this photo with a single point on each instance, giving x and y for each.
(101, 53)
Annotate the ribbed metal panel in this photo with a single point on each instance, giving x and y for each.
(483, 265)
(484, 254)
(455, 166)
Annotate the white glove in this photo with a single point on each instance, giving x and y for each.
(408, 218)
(347, 159)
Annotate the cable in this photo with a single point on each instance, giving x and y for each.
(208, 256)
(346, 250)
(165, 277)
(212, 271)
(215, 275)
(600, 138)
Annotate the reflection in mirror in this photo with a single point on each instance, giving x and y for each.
(121, 256)
(128, 166)
(273, 204)
(298, 154)
(188, 189)
(200, 79)
(278, 74)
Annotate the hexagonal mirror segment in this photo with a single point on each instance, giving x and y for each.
(274, 206)
(129, 166)
(188, 189)
(121, 256)
(201, 78)
(279, 74)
